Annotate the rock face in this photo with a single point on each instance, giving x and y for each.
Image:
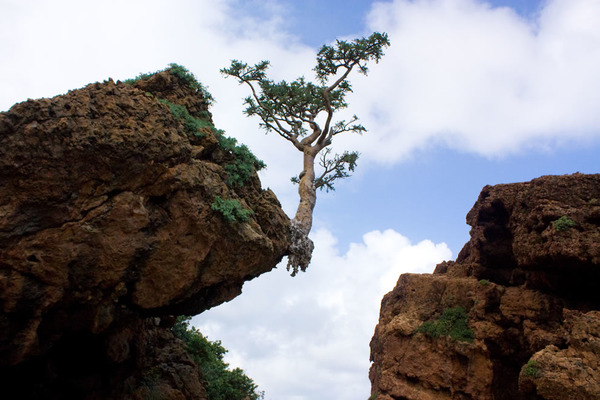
(528, 283)
(108, 231)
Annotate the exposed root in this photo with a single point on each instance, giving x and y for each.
(300, 250)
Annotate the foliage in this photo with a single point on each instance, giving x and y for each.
(563, 223)
(189, 78)
(338, 167)
(139, 77)
(531, 369)
(183, 74)
(453, 323)
(484, 282)
(244, 162)
(231, 210)
(191, 125)
(221, 382)
(293, 109)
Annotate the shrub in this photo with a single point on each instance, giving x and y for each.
(182, 73)
(531, 369)
(139, 77)
(563, 223)
(221, 382)
(452, 323)
(231, 210)
(244, 162)
(191, 125)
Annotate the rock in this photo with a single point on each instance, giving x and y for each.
(527, 283)
(106, 227)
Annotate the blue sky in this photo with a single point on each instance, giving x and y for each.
(470, 93)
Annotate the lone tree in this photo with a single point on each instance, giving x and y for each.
(301, 112)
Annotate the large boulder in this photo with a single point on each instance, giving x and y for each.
(109, 229)
(526, 283)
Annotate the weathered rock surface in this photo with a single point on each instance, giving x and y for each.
(107, 231)
(528, 281)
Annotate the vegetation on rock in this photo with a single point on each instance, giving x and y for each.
(244, 162)
(241, 163)
(182, 73)
(563, 223)
(221, 382)
(453, 323)
(191, 124)
(531, 369)
(231, 210)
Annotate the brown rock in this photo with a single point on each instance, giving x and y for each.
(106, 221)
(528, 286)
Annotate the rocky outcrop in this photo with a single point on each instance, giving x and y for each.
(108, 229)
(527, 283)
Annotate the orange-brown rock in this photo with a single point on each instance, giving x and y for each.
(107, 231)
(527, 280)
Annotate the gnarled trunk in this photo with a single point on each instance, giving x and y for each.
(307, 192)
(301, 246)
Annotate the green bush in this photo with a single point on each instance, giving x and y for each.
(231, 210)
(139, 77)
(453, 323)
(532, 369)
(183, 74)
(563, 223)
(191, 125)
(244, 162)
(221, 383)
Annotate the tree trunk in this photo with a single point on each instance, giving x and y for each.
(301, 247)
(307, 192)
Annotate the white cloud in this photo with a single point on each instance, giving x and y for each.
(462, 74)
(308, 337)
(49, 48)
(459, 73)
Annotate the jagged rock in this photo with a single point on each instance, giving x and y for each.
(107, 230)
(527, 280)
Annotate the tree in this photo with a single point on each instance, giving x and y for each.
(302, 113)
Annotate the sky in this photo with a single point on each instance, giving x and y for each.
(470, 93)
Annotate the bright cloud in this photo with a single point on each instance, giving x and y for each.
(462, 74)
(459, 73)
(307, 337)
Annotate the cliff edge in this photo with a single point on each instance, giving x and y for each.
(121, 207)
(516, 317)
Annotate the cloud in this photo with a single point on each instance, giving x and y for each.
(307, 337)
(463, 74)
(49, 48)
(459, 74)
